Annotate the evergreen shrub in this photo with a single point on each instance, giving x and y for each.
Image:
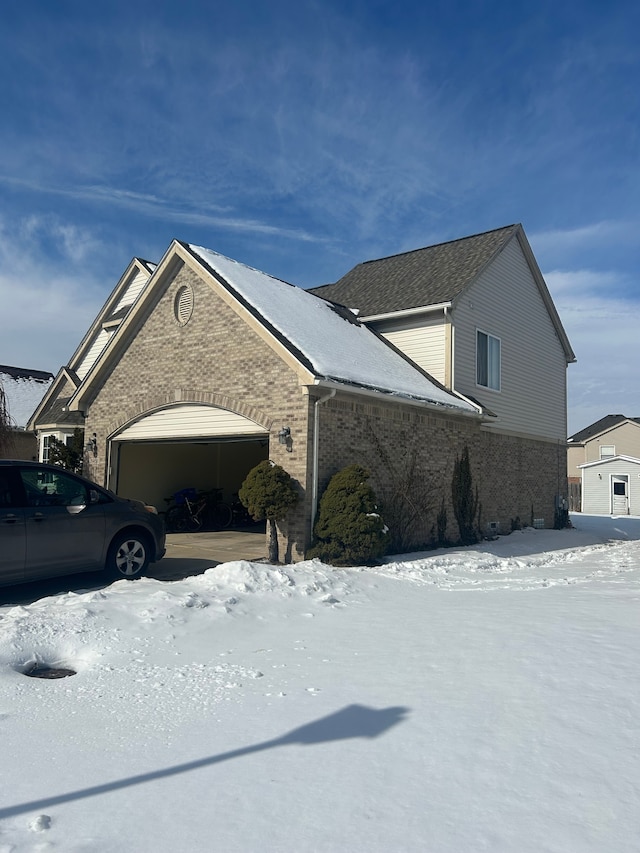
(349, 530)
(269, 492)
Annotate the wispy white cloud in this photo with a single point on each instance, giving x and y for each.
(158, 208)
(50, 298)
(606, 233)
(602, 328)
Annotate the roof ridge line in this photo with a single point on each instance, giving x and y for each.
(435, 245)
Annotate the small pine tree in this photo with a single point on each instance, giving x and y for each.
(68, 456)
(349, 530)
(268, 492)
(441, 522)
(465, 500)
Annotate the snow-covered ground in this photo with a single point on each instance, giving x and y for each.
(478, 699)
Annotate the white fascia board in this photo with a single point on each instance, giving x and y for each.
(389, 397)
(407, 312)
(546, 296)
(608, 459)
(169, 264)
(132, 269)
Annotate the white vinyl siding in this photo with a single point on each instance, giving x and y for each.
(133, 290)
(97, 345)
(505, 300)
(183, 422)
(423, 340)
(597, 485)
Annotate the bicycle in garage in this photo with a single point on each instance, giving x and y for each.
(193, 510)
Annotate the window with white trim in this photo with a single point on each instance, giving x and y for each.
(607, 450)
(487, 360)
(46, 447)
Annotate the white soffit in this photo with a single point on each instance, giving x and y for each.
(190, 422)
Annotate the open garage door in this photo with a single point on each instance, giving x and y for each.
(185, 446)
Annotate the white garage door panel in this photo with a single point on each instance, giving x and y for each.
(190, 422)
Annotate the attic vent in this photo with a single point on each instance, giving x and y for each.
(183, 305)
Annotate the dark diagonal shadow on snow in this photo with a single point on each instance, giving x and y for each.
(354, 721)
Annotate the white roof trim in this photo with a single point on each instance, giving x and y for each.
(408, 312)
(609, 459)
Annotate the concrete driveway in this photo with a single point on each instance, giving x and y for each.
(194, 553)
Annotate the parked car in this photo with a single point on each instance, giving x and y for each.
(53, 522)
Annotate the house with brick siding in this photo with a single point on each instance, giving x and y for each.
(200, 367)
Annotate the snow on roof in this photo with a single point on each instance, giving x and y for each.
(336, 346)
(24, 390)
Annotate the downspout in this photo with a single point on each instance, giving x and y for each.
(316, 444)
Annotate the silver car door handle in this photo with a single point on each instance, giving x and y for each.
(10, 519)
(39, 516)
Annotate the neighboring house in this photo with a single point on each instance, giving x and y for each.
(215, 366)
(23, 389)
(603, 467)
(613, 435)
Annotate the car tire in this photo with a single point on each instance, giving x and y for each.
(128, 556)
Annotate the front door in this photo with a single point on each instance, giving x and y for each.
(620, 494)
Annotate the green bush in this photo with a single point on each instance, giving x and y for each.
(268, 492)
(68, 456)
(349, 530)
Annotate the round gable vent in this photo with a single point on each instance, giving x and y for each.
(183, 305)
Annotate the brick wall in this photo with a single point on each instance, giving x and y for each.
(215, 358)
(411, 454)
(20, 445)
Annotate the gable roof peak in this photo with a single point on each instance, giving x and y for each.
(433, 275)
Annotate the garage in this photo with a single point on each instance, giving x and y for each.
(184, 446)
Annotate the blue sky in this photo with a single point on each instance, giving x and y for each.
(304, 137)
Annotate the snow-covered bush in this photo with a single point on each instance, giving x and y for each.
(349, 529)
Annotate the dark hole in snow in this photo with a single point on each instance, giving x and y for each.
(41, 670)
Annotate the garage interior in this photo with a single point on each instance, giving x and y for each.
(151, 471)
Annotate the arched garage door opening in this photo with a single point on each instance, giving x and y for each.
(180, 447)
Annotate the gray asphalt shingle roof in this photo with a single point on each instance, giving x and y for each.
(605, 423)
(421, 277)
(55, 412)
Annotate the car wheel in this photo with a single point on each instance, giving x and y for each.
(128, 556)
